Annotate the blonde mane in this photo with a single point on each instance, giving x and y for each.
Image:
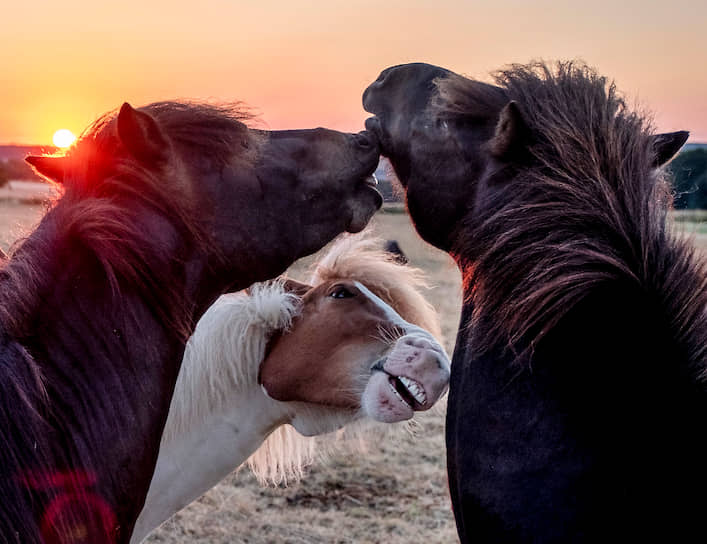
(225, 351)
(229, 343)
(361, 257)
(285, 454)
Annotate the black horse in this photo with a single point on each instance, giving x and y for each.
(577, 409)
(392, 247)
(165, 208)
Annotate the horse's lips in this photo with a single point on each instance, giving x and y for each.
(370, 183)
(382, 402)
(374, 126)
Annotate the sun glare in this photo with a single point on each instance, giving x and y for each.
(63, 138)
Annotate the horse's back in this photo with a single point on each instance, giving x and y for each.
(600, 436)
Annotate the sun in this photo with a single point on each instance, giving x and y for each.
(63, 138)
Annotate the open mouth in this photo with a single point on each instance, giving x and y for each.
(370, 183)
(408, 391)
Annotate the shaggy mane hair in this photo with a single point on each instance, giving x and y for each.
(587, 209)
(101, 230)
(224, 354)
(105, 193)
(400, 286)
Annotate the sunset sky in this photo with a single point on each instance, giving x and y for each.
(306, 63)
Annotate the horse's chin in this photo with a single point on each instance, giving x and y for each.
(364, 209)
(381, 402)
(313, 419)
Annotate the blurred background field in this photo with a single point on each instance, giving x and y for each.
(394, 491)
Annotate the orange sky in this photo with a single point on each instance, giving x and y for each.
(306, 63)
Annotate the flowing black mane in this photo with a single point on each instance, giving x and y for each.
(591, 208)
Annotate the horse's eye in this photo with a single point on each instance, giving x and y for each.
(341, 292)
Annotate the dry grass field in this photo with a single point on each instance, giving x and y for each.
(394, 492)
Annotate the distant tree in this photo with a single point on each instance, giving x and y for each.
(18, 169)
(4, 178)
(690, 179)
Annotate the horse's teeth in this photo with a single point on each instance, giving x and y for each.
(395, 391)
(415, 389)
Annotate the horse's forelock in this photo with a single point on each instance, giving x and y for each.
(360, 257)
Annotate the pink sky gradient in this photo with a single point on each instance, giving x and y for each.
(306, 63)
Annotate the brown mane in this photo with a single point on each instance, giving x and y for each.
(92, 213)
(362, 258)
(590, 209)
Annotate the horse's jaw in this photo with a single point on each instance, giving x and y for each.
(411, 378)
(314, 419)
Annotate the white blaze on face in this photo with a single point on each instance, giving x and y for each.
(390, 314)
(382, 399)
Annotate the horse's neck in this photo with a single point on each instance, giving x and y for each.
(219, 414)
(108, 361)
(192, 462)
(601, 404)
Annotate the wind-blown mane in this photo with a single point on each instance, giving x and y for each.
(285, 453)
(265, 309)
(92, 216)
(362, 258)
(590, 209)
(98, 225)
(236, 329)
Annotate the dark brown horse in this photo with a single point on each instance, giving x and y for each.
(165, 208)
(577, 408)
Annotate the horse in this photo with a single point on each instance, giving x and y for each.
(577, 401)
(356, 343)
(392, 246)
(164, 208)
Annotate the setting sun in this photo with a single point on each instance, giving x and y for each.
(63, 138)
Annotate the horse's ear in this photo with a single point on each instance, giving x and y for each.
(52, 168)
(141, 135)
(295, 287)
(511, 134)
(667, 145)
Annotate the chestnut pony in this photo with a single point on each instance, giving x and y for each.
(577, 408)
(165, 208)
(357, 345)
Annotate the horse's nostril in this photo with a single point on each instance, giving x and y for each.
(364, 140)
(383, 76)
(418, 342)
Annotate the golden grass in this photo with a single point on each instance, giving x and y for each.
(17, 220)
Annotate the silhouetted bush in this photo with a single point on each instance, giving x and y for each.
(690, 179)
